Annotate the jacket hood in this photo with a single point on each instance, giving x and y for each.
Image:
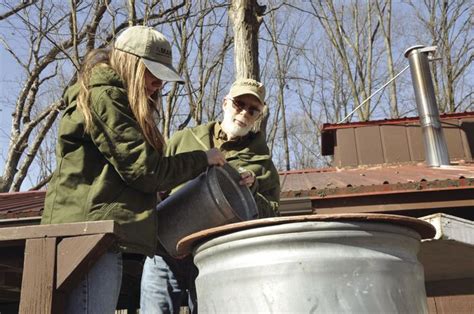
(105, 76)
(101, 76)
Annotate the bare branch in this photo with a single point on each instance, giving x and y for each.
(18, 8)
(49, 116)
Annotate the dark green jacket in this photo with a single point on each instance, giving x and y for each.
(250, 152)
(112, 173)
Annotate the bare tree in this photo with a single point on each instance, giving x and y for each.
(285, 52)
(354, 44)
(201, 32)
(449, 25)
(204, 42)
(56, 39)
(41, 65)
(13, 10)
(246, 17)
(384, 15)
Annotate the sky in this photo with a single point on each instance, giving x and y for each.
(10, 75)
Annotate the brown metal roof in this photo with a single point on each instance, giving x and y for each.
(21, 204)
(374, 180)
(407, 189)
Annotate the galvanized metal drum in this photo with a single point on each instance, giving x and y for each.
(311, 267)
(212, 199)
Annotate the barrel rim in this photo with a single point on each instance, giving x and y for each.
(423, 228)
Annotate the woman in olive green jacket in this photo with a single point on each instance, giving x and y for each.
(110, 161)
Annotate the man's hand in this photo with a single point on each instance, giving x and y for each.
(247, 178)
(215, 157)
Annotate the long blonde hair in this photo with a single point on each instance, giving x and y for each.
(132, 71)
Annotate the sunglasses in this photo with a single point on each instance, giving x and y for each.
(240, 106)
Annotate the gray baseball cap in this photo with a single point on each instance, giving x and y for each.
(153, 48)
(248, 86)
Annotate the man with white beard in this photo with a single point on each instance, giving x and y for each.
(165, 280)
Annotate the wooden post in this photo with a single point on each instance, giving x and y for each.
(37, 287)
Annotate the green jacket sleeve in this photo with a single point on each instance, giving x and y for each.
(172, 145)
(266, 191)
(118, 137)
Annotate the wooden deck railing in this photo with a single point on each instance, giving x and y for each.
(55, 258)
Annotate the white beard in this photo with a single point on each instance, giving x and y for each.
(231, 128)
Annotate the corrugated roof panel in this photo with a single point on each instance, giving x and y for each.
(21, 204)
(401, 177)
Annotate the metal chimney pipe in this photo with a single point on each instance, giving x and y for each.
(436, 150)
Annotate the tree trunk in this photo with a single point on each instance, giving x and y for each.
(246, 17)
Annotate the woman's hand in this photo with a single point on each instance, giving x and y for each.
(215, 157)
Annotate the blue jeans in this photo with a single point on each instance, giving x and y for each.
(99, 290)
(165, 284)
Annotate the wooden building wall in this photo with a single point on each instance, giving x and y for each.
(396, 143)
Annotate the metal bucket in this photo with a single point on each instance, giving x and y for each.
(212, 199)
(312, 267)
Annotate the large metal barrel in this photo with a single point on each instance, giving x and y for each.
(212, 199)
(312, 267)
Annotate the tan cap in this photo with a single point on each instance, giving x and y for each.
(153, 48)
(248, 86)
